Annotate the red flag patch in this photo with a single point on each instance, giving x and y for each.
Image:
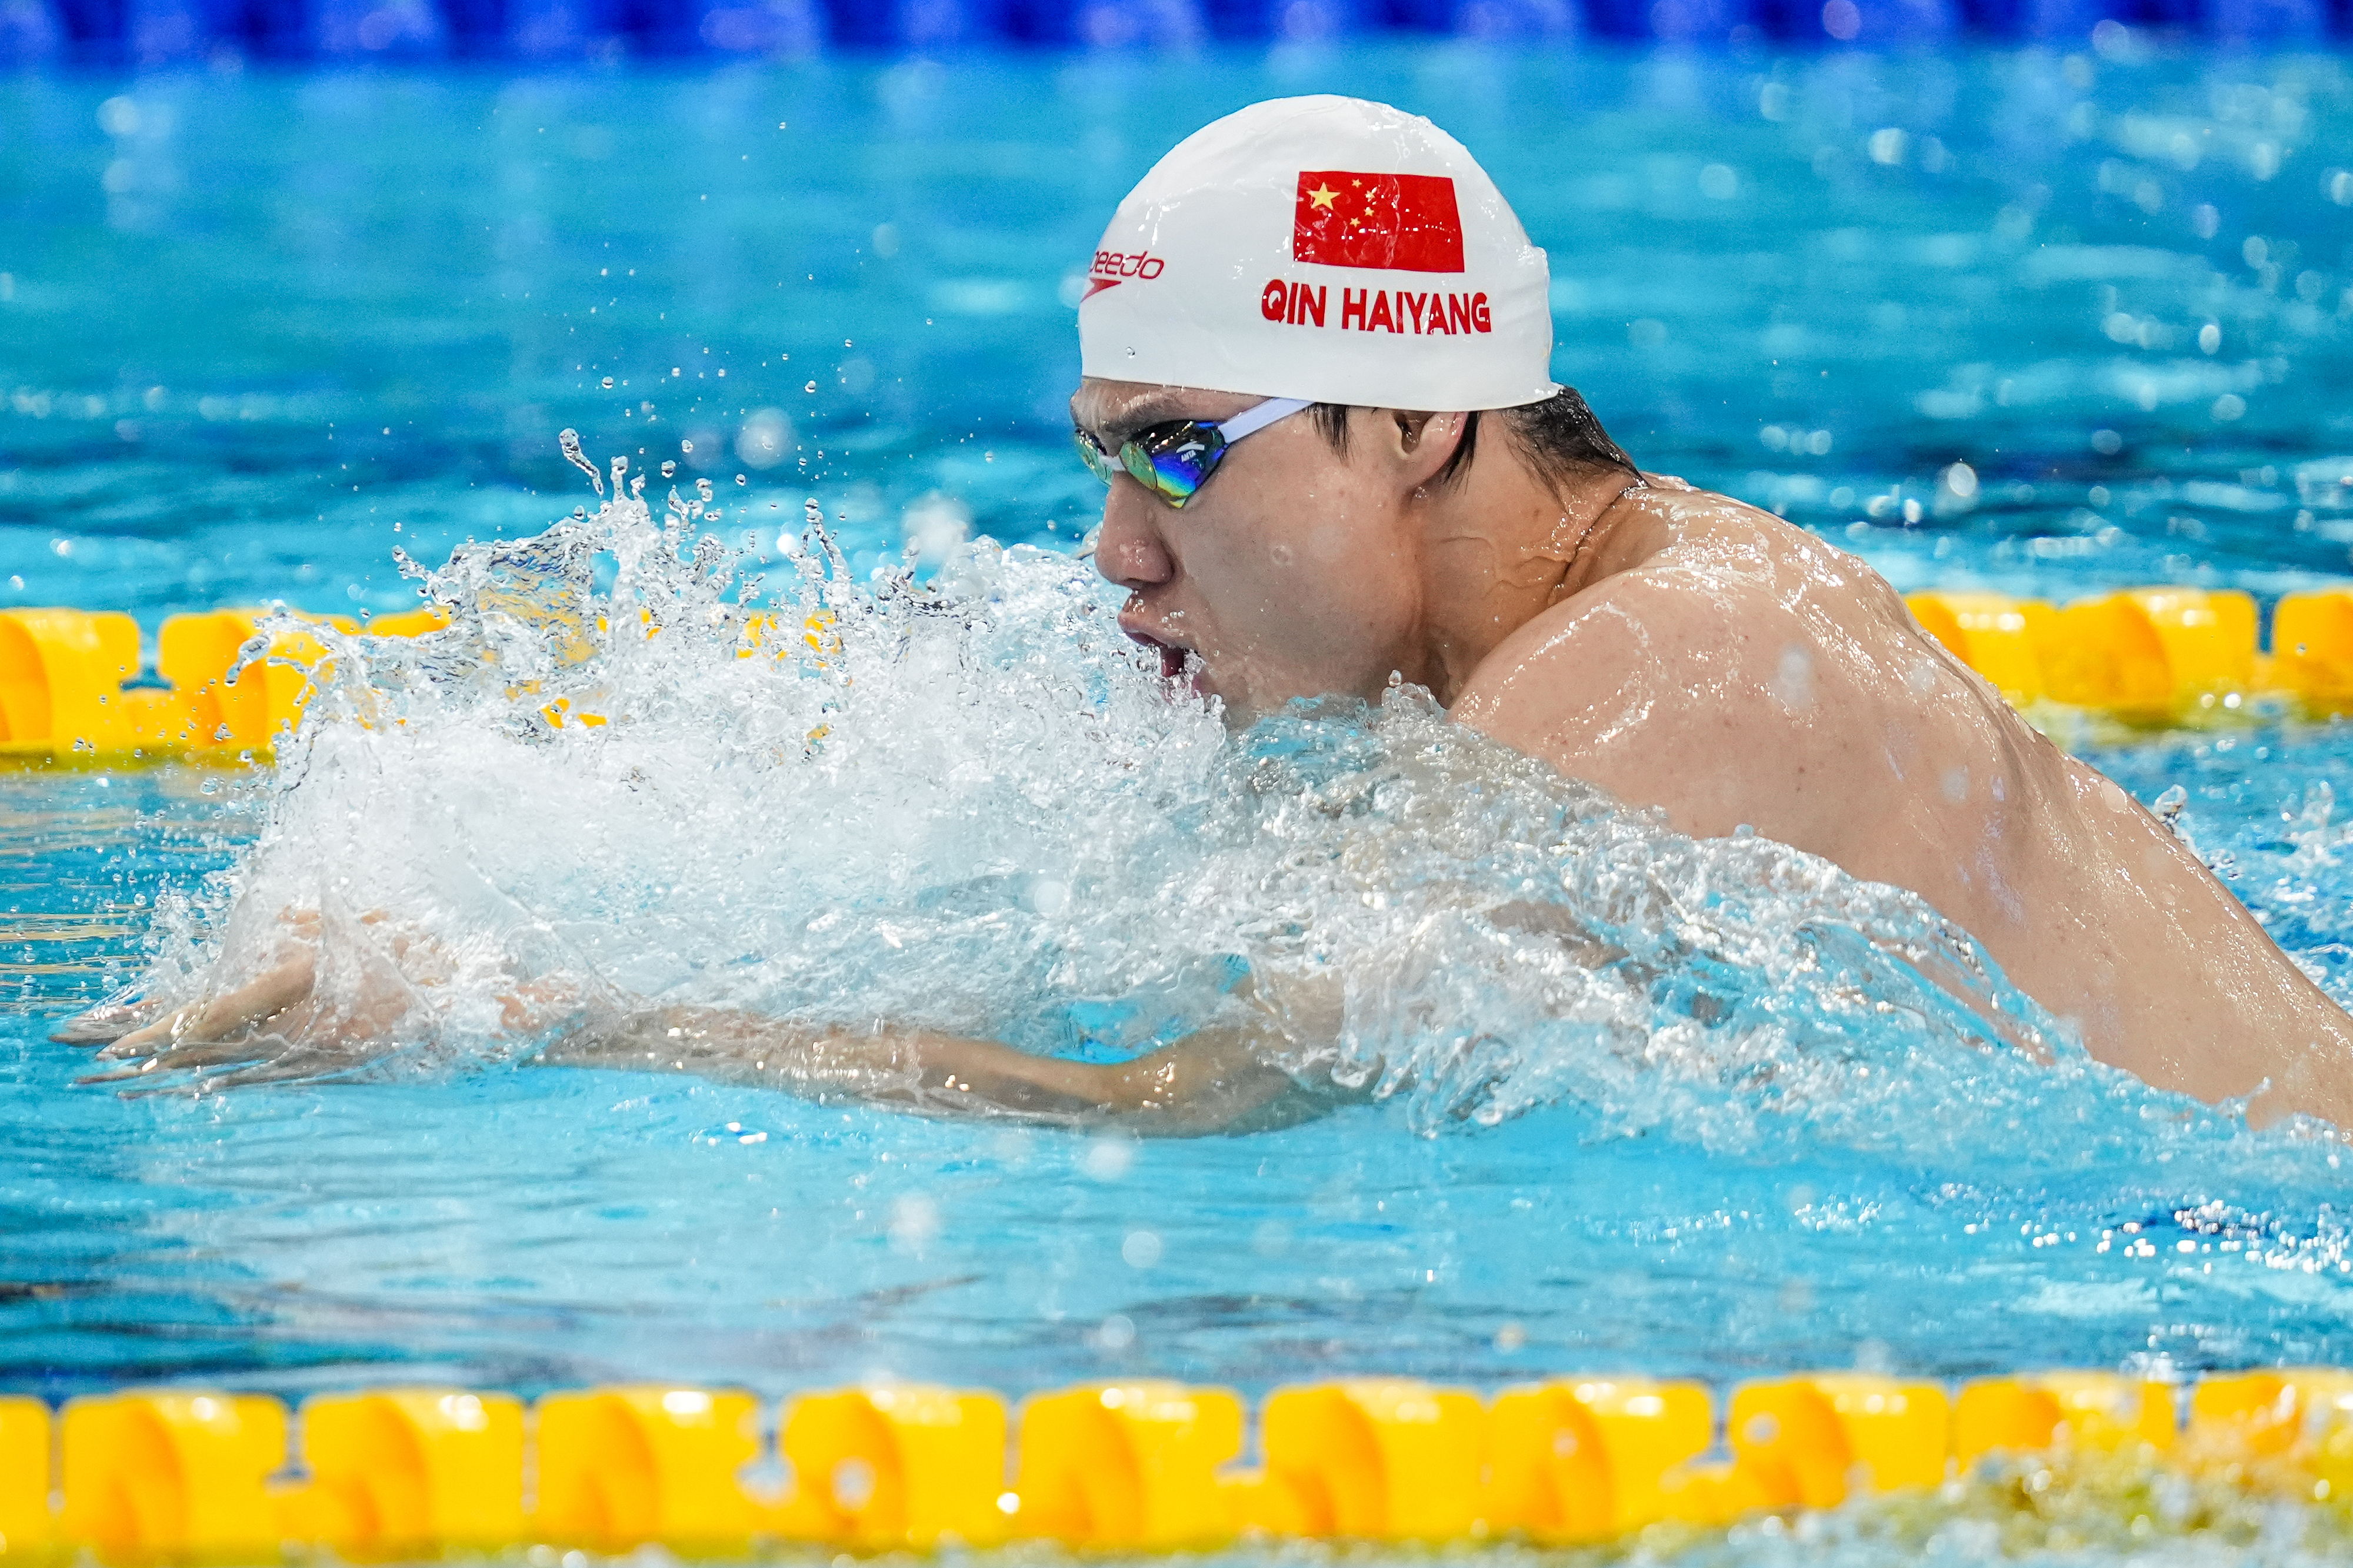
(1406, 222)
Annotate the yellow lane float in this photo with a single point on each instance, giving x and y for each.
(1808, 1441)
(2153, 656)
(1378, 1459)
(71, 682)
(624, 1467)
(2076, 1409)
(25, 1442)
(172, 1474)
(197, 1476)
(62, 674)
(403, 1471)
(1131, 1465)
(898, 1467)
(1588, 1460)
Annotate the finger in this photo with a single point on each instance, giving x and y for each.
(223, 1016)
(281, 1071)
(282, 1046)
(141, 1042)
(116, 1076)
(250, 1003)
(296, 1064)
(156, 1069)
(105, 1024)
(185, 1058)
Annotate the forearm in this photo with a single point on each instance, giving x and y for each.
(1212, 1082)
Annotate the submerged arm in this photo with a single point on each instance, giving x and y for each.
(1217, 1080)
(275, 1027)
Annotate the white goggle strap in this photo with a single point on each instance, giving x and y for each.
(1259, 416)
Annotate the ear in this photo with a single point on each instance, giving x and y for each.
(1419, 443)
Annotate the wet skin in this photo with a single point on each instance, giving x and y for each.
(1688, 652)
(1679, 649)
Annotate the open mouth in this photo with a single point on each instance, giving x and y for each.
(1172, 655)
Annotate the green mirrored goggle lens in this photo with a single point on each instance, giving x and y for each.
(1172, 460)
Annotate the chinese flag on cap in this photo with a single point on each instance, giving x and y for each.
(1405, 222)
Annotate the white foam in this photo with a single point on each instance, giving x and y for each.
(971, 806)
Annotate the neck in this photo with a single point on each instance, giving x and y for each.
(1501, 547)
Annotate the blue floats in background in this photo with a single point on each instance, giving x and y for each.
(161, 32)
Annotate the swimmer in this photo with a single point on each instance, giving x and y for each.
(1316, 349)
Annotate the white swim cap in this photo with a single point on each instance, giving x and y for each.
(1327, 248)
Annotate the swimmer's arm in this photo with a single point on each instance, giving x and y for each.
(1217, 1080)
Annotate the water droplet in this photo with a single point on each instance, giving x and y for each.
(608, 383)
(742, 480)
(669, 469)
(810, 387)
(569, 441)
(686, 446)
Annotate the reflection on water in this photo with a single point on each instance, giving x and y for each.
(2039, 320)
(2111, 287)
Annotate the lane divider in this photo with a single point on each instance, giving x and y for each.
(1141, 1465)
(72, 682)
(2154, 657)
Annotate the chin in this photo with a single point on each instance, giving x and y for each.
(1237, 709)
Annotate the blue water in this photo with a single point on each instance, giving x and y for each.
(258, 329)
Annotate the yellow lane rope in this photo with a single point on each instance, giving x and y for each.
(188, 1475)
(2140, 658)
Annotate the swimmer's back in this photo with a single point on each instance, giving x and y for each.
(1732, 669)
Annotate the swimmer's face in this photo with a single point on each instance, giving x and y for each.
(1294, 572)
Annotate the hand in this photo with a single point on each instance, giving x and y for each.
(280, 1025)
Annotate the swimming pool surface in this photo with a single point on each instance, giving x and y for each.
(257, 331)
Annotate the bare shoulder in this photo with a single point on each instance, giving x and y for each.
(1718, 587)
(1728, 651)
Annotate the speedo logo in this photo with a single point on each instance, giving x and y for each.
(1113, 268)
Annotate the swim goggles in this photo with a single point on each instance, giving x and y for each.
(1175, 458)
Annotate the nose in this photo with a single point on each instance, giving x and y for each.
(1130, 551)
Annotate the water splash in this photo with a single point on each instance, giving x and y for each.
(968, 805)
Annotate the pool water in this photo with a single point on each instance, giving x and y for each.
(2049, 323)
